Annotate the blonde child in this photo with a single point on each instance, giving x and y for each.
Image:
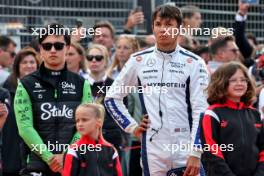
(91, 155)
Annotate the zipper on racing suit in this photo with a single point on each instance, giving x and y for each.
(55, 94)
(56, 118)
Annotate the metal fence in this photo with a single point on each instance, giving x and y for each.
(36, 13)
(222, 13)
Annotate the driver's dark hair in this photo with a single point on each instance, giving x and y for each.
(168, 11)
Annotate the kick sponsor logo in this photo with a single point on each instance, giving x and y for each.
(66, 85)
(49, 111)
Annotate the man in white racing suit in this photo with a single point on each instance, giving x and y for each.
(171, 83)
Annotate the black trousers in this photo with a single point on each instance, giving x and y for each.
(134, 162)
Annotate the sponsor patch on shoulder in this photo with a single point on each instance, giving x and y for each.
(139, 58)
(189, 60)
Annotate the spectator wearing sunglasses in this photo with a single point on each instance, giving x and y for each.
(9, 45)
(106, 36)
(4, 73)
(7, 52)
(125, 46)
(45, 102)
(75, 59)
(97, 57)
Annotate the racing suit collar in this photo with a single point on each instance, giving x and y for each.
(88, 140)
(165, 54)
(234, 105)
(52, 77)
(47, 72)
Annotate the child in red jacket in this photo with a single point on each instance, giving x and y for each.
(233, 135)
(91, 155)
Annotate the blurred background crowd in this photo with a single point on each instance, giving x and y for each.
(126, 29)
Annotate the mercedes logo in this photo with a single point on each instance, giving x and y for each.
(151, 62)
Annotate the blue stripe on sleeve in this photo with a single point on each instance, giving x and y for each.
(121, 119)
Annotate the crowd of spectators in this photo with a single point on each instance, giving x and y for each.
(100, 64)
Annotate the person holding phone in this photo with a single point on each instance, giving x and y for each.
(135, 17)
(245, 48)
(250, 2)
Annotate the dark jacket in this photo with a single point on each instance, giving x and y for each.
(238, 130)
(111, 131)
(11, 155)
(242, 42)
(54, 97)
(90, 157)
(99, 91)
(4, 98)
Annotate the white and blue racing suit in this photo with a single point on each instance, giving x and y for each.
(171, 88)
